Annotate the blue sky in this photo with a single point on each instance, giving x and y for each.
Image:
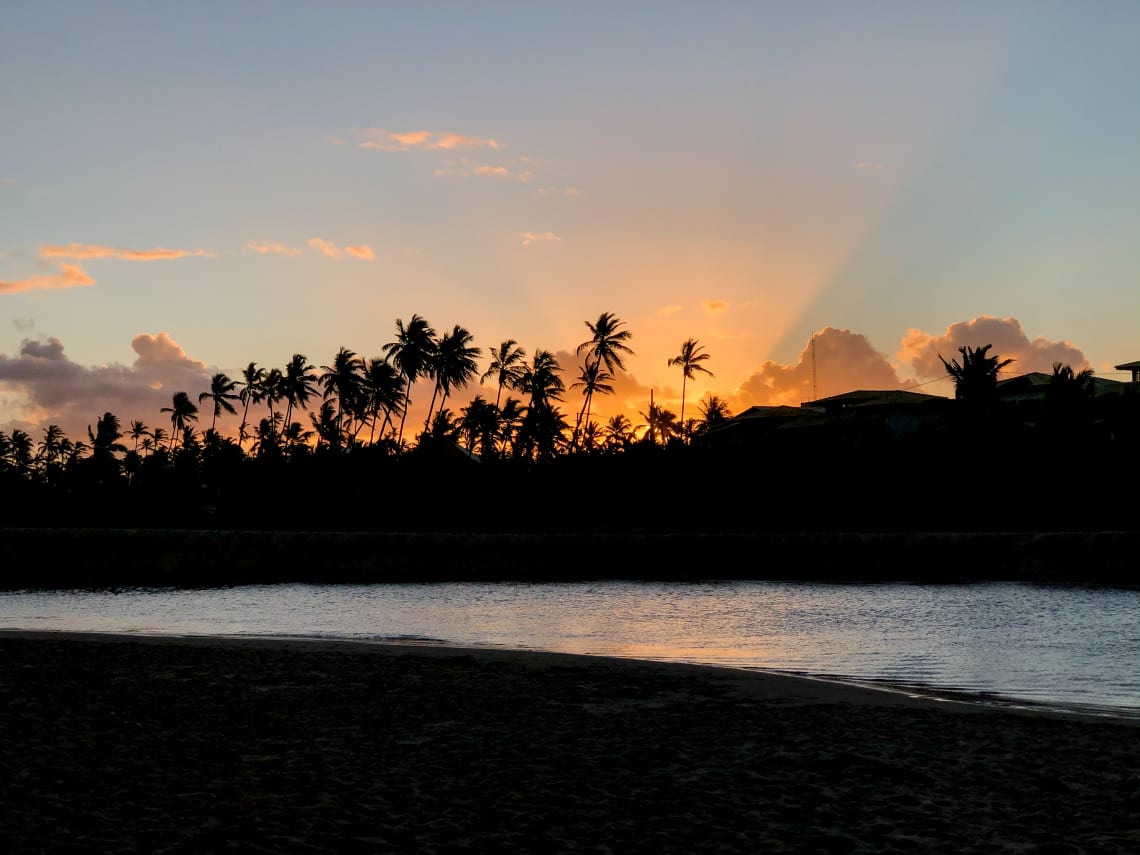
(898, 179)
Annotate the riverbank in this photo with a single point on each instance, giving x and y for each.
(85, 558)
(188, 745)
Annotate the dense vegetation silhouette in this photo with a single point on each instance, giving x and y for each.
(328, 448)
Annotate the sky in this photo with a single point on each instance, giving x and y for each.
(828, 196)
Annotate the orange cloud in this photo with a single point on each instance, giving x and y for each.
(69, 276)
(1008, 340)
(331, 140)
(842, 361)
(869, 164)
(330, 250)
(665, 311)
(530, 237)
(326, 248)
(272, 247)
(79, 251)
(714, 307)
(379, 138)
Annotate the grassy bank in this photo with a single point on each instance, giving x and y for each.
(76, 558)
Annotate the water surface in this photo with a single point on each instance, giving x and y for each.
(1067, 646)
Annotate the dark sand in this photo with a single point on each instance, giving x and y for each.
(114, 744)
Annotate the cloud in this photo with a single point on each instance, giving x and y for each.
(1008, 340)
(327, 248)
(379, 138)
(69, 276)
(530, 237)
(272, 246)
(843, 362)
(714, 307)
(53, 389)
(362, 252)
(330, 250)
(462, 166)
(78, 252)
(870, 164)
(331, 140)
(665, 311)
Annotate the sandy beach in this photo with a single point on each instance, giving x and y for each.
(129, 744)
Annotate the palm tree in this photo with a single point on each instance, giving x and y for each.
(660, 424)
(105, 438)
(543, 425)
(296, 388)
(618, 433)
(592, 379)
(479, 425)
(714, 411)
(453, 364)
(606, 346)
(272, 391)
(182, 413)
(252, 392)
(138, 431)
(1067, 397)
(384, 389)
(342, 380)
(221, 393)
(975, 378)
(506, 366)
(510, 417)
(689, 359)
(411, 352)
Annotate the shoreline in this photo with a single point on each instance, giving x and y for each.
(834, 688)
(193, 744)
(99, 557)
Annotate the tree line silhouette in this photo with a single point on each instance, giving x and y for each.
(329, 447)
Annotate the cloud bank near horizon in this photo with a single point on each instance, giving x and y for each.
(42, 385)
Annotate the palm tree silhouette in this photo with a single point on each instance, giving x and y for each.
(689, 359)
(182, 413)
(506, 366)
(618, 433)
(252, 392)
(592, 379)
(384, 390)
(297, 386)
(137, 431)
(975, 377)
(411, 352)
(543, 425)
(606, 346)
(342, 380)
(660, 424)
(453, 364)
(479, 425)
(714, 411)
(221, 393)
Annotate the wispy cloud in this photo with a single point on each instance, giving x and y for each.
(665, 311)
(465, 167)
(331, 140)
(870, 164)
(79, 252)
(330, 250)
(714, 307)
(529, 238)
(272, 247)
(378, 138)
(69, 276)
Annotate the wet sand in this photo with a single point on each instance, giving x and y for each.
(129, 744)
